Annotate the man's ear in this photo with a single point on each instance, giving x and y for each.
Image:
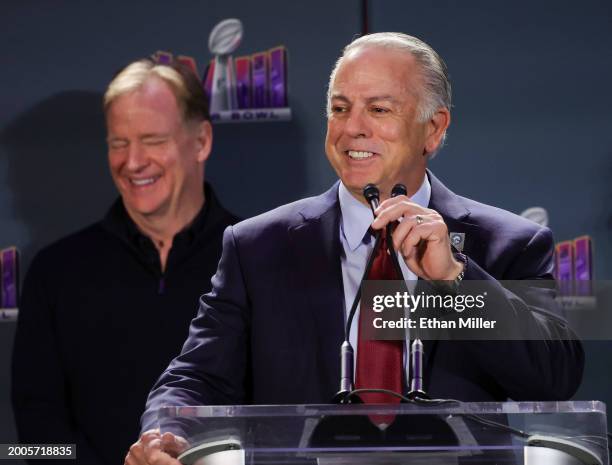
(436, 128)
(204, 138)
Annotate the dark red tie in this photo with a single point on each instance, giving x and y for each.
(379, 363)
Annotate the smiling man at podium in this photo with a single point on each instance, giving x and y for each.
(270, 330)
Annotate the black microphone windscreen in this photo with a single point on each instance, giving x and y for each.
(371, 192)
(399, 189)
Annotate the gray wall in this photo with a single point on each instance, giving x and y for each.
(530, 123)
(57, 59)
(531, 118)
(57, 62)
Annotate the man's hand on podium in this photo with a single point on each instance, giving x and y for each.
(154, 448)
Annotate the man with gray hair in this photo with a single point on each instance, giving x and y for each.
(104, 310)
(287, 278)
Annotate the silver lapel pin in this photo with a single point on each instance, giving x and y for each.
(458, 240)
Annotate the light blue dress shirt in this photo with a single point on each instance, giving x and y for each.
(356, 219)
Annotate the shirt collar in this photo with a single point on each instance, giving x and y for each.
(118, 221)
(357, 217)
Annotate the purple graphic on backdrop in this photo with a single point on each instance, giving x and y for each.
(248, 88)
(10, 279)
(278, 71)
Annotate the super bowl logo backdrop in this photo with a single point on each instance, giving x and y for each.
(574, 266)
(243, 89)
(573, 269)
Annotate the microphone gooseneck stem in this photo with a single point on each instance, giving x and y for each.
(347, 369)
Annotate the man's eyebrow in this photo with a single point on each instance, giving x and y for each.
(375, 98)
(150, 135)
(339, 97)
(378, 98)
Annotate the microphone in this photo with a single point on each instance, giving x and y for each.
(399, 189)
(416, 384)
(416, 349)
(347, 368)
(372, 195)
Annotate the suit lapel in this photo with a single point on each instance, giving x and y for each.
(317, 248)
(447, 203)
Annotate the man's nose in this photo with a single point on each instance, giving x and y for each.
(137, 158)
(357, 125)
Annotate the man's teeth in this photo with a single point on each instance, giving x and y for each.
(143, 182)
(359, 155)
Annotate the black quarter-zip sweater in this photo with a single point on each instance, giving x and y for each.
(99, 322)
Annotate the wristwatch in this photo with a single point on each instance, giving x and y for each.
(452, 287)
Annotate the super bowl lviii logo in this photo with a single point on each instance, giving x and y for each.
(246, 88)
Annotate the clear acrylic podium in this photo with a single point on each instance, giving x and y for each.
(533, 433)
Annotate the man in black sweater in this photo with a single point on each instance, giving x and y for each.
(104, 310)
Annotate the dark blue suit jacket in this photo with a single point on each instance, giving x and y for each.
(270, 330)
